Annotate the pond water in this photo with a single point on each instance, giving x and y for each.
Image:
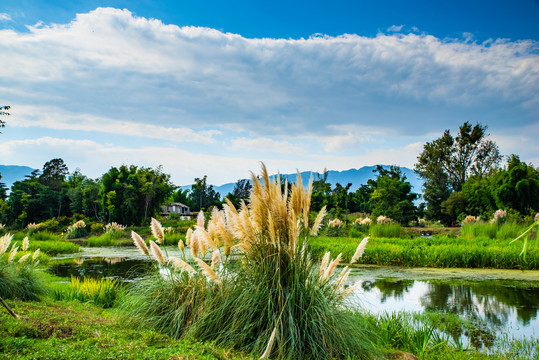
(507, 300)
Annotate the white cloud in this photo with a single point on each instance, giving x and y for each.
(5, 17)
(51, 118)
(395, 28)
(115, 65)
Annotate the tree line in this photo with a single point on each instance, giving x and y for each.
(461, 177)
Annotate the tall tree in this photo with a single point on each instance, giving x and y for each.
(446, 163)
(131, 195)
(392, 195)
(202, 195)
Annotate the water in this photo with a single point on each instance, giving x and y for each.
(507, 300)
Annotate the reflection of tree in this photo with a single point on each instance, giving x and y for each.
(389, 288)
(494, 301)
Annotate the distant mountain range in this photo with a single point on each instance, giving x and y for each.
(12, 173)
(357, 177)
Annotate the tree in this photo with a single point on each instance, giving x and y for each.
(241, 192)
(202, 195)
(392, 195)
(130, 195)
(447, 162)
(517, 186)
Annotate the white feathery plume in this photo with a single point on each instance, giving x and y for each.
(157, 231)
(25, 243)
(206, 269)
(36, 254)
(318, 221)
(188, 237)
(157, 253)
(360, 249)
(215, 259)
(178, 263)
(23, 258)
(332, 267)
(12, 253)
(324, 263)
(139, 243)
(4, 243)
(200, 219)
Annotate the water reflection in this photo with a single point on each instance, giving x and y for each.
(496, 303)
(120, 268)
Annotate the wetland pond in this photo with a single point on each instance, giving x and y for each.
(504, 300)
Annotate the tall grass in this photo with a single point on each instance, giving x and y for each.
(274, 301)
(106, 239)
(507, 231)
(18, 278)
(101, 292)
(385, 230)
(441, 252)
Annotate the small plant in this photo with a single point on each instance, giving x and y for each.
(77, 230)
(499, 217)
(101, 292)
(470, 219)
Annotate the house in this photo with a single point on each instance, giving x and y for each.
(175, 208)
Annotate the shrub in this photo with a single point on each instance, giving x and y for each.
(77, 230)
(274, 301)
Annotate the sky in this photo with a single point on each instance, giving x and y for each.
(213, 88)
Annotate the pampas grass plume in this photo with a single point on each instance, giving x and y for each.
(12, 253)
(36, 254)
(139, 243)
(25, 243)
(360, 249)
(23, 258)
(267, 352)
(178, 263)
(206, 269)
(157, 253)
(157, 231)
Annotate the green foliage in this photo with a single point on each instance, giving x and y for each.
(203, 196)
(132, 195)
(19, 280)
(102, 240)
(385, 230)
(101, 292)
(74, 331)
(448, 161)
(54, 247)
(392, 195)
(442, 252)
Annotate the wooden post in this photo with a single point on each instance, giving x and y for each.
(9, 309)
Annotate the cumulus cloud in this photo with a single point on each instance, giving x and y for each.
(113, 64)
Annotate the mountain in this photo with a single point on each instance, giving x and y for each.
(12, 173)
(357, 177)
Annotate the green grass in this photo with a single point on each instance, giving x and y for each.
(20, 281)
(54, 247)
(102, 240)
(387, 231)
(60, 330)
(101, 292)
(506, 231)
(442, 252)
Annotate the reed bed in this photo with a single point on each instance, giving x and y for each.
(275, 301)
(385, 231)
(507, 231)
(440, 252)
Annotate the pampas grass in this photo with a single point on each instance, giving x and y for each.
(274, 301)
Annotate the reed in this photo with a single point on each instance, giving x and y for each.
(385, 230)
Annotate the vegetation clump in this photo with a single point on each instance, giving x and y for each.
(274, 300)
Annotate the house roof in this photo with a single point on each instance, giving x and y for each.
(178, 204)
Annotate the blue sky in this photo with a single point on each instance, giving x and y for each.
(212, 87)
